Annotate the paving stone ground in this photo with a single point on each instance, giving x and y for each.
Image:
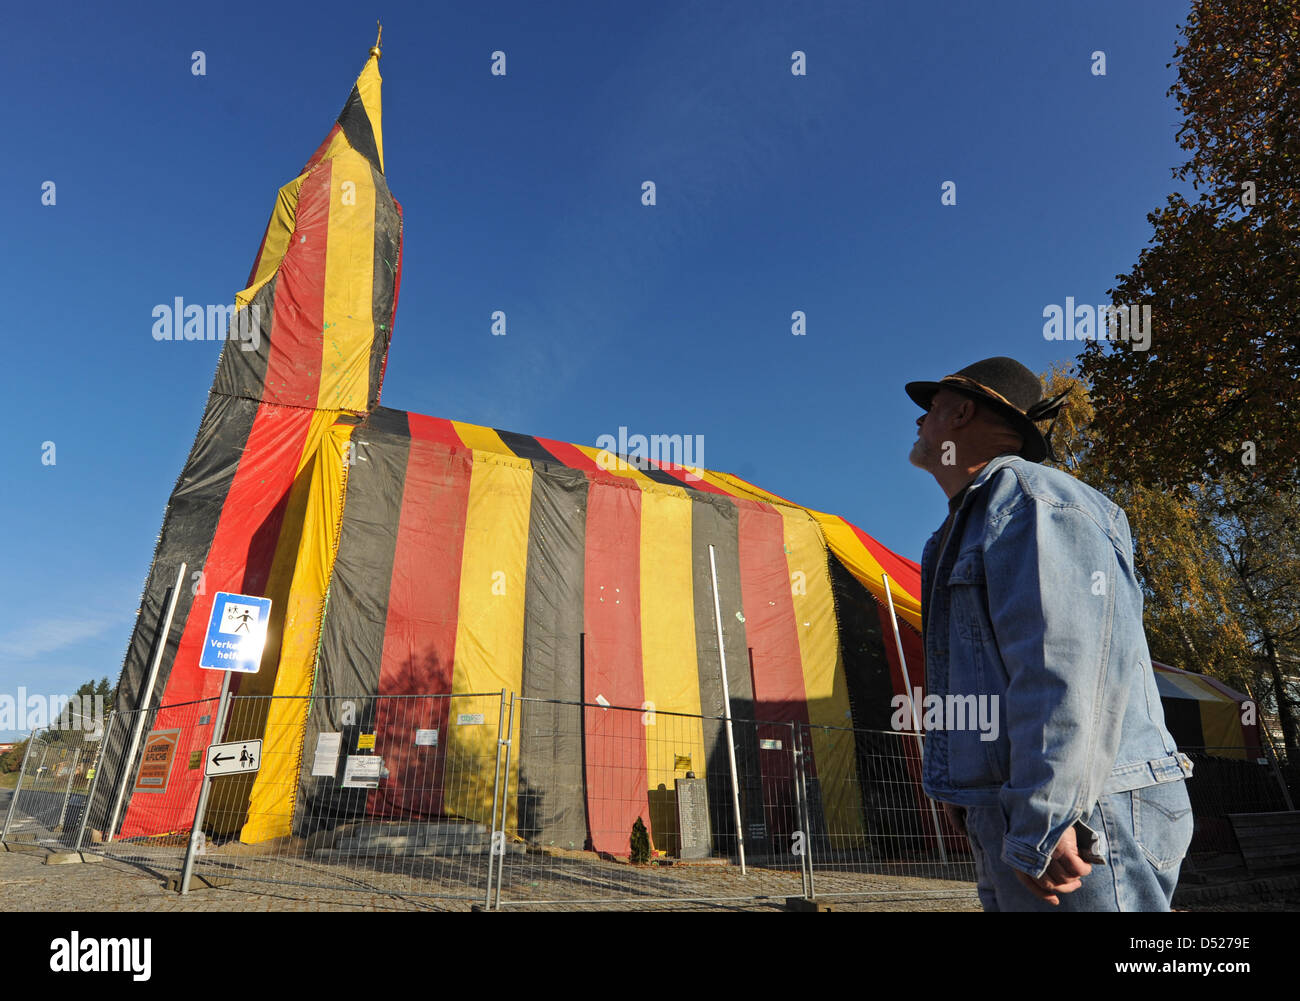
(29, 884)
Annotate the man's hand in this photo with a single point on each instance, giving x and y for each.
(956, 816)
(1064, 873)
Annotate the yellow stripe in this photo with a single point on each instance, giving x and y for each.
(279, 230)
(349, 333)
(825, 682)
(481, 439)
(270, 808)
(489, 630)
(668, 661)
(866, 568)
(338, 143)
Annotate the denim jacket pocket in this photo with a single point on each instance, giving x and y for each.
(1162, 822)
(968, 596)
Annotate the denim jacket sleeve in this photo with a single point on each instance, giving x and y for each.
(1051, 591)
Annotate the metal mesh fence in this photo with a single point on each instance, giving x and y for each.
(49, 799)
(495, 799)
(874, 833)
(671, 816)
(391, 795)
(1225, 780)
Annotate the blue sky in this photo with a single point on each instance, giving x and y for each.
(521, 193)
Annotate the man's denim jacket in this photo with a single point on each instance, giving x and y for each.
(1035, 603)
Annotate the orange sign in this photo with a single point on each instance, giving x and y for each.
(156, 767)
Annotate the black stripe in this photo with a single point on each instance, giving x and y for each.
(715, 520)
(356, 619)
(526, 446)
(359, 130)
(882, 773)
(552, 785)
(388, 248)
(385, 420)
(242, 372)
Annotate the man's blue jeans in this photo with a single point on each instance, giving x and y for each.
(1143, 836)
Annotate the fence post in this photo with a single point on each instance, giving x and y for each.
(72, 773)
(94, 779)
(805, 813)
(726, 709)
(196, 829)
(496, 789)
(505, 797)
(916, 726)
(13, 803)
(160, 645)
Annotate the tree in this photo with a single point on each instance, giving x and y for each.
(1219, 563)
(1211, 397)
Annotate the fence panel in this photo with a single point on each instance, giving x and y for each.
(1226, 780)
(873, 833)
(49, 799)
(385, 795)
(619, 805)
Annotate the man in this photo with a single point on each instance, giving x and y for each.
(1029, 599)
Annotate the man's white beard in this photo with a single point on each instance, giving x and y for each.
(921, 456)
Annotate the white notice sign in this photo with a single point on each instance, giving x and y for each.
(362, 771)
(469, 719)
(326, 761)
(426, 738)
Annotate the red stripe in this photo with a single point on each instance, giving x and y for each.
(320, 150)
(239, 561)
(571, 455)
(420, 631)
(616, 740)
(437, 429)
(298, 318)
(776, 664)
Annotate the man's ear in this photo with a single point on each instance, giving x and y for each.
(962, 411)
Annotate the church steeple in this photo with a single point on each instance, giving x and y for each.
(314, 323)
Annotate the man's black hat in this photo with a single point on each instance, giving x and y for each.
(1006, 386)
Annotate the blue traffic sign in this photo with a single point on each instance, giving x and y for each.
(236, 633)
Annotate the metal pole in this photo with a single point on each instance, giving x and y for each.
(9, 815)
(804, 815)
(916, 726)
(160, 645)
(94, 779)
(496, 788)
(196, 829)
(1268, 752)
(726, 711)
(72, 772)
(505, 797)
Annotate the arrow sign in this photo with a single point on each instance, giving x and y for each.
(234, 758)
